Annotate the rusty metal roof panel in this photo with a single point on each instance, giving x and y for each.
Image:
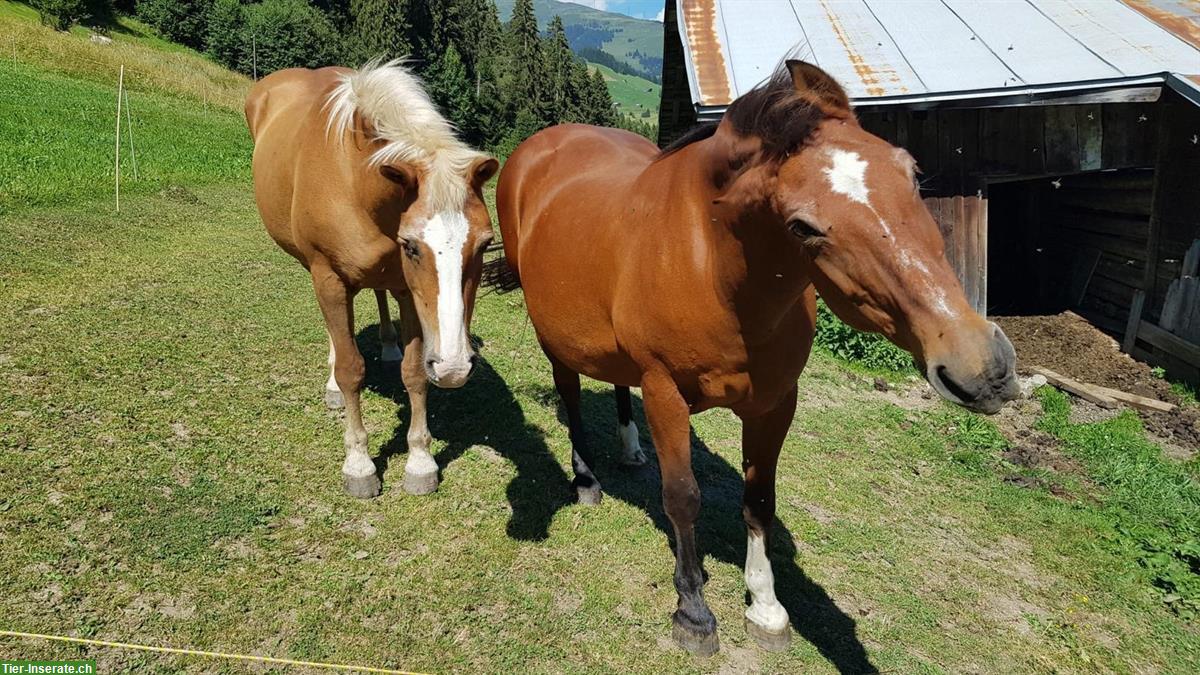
(925, 31)
(887, 52)
(850, 44)
(753, 37)
(1120, 35)
(1181, 18)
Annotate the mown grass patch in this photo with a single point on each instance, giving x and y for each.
(151, 63)
(60, 132)
(170, 476)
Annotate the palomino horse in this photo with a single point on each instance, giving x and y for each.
(360, 178)
(691, 274)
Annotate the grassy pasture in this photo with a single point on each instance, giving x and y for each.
(59, 136)
(151, 63)
(634, 94)
(169, 476)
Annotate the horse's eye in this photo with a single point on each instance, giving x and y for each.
(803, 229)
(410, 249)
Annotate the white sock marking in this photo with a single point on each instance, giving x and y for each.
(358, 464)
(331, 384)
(764, 610)
(631, 447)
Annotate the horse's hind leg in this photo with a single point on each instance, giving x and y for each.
(388, 349)
(420, 470)
(631, 449)
(337, 305)
(762, 438)
(566, 381)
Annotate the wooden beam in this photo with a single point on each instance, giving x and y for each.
(1169, 342)
(1141, 402)
(1135, 319)
(1083, 391)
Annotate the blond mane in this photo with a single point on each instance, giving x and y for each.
(400, 112)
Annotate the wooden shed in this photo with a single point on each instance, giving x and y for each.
(1059, 140)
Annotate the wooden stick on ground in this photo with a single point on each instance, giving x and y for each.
(1142, 402)
(1084, 391)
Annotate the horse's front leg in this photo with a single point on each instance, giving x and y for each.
(420, 471)
(337, 305)
(762, 438)
(694, 626)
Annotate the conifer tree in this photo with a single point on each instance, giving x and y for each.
(380, 28)
(523, 83)
(600, 103)
(557, 62)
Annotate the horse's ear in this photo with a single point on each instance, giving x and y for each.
(807, 78)
(482, 171)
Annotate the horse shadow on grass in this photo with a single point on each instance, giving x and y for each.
(485, 412)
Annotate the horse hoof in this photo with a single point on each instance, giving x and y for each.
(390, 353)
(696, 644)
(420, 483)
(770, 641)
(334, 399)
(590, 495)
(362, 487)
(634, 461)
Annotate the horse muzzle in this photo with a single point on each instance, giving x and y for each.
(981, 379)
(449, 373)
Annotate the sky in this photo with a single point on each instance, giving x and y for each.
(639, 9)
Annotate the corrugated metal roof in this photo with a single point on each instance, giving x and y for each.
(887, 51)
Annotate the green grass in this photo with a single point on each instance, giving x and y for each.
(633, 94)
(152, 65)
(1154, 505)
(59, 141)
(169, 476)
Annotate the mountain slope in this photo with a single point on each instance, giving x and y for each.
(634, 96)
(635, 42)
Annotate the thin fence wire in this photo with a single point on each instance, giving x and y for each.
(208, 654)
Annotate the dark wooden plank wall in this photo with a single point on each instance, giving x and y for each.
(676, 113)
(1176, 215)
(959, 150)
(1104, 214)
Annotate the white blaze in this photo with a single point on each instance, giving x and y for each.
(847, 175)
(446, 234)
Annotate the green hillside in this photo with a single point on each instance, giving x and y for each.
(633, 95)
(615, 34)
(58, 108)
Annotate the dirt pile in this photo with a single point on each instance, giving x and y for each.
(1067, 344)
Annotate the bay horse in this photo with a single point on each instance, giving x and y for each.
(360, 178)
(692, 272)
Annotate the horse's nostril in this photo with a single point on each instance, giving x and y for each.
(430, 363)
(953, 387)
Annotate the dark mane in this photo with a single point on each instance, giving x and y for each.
(774, 112)
(696, 133)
